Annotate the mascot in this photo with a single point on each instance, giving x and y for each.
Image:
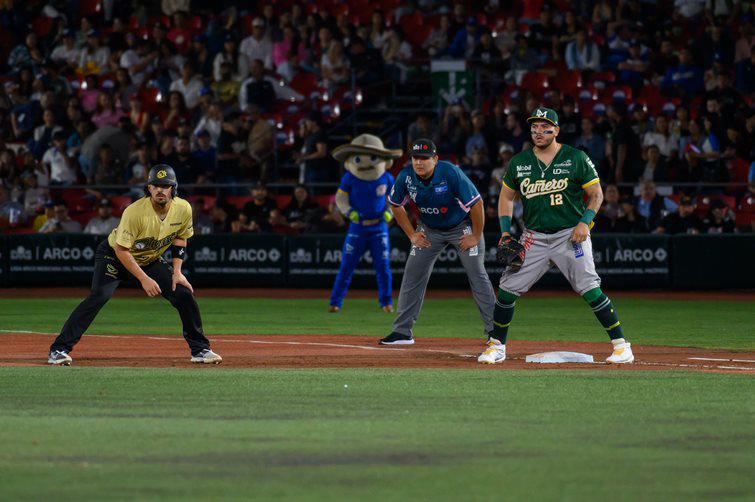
(362, 199)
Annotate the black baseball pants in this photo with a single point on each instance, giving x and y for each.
(109, 272)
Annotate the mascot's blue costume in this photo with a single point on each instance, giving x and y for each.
(362, 198)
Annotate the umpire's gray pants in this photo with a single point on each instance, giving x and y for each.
(420, 265)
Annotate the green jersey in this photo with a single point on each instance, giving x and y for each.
(552, 196)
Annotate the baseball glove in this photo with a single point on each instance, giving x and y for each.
(510, 253)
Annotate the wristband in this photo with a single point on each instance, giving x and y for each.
(505, 222)
(587, 217)
(178, 252)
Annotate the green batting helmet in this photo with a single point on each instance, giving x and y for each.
(162, 174)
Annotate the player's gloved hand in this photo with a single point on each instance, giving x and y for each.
(354, 216)
(388, 216)
(150, 287)
(510, 253)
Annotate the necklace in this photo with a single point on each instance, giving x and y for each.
(541, 163)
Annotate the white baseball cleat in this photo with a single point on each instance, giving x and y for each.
(495, 353)
(207, 357)
(59, 358)
(622, 354)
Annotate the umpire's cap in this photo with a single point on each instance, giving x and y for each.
(423, 148)
(163, 175)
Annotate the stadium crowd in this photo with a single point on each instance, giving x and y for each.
(94, 93)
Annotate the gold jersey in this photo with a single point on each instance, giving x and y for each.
(147, 236)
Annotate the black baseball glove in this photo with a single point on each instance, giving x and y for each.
(510, 253)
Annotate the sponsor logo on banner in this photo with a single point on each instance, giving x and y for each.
(300, 256)
(20, 253)
(254, 255)
(429, 210)
(68, 253)
(205, 254)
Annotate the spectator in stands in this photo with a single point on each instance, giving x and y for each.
(300, 214)
(139, 61)
(713, 170)
(377, 33)
(11, 211)
(230, 54)
(200, 55)
(651, 207)
(60, 222)
(624, 145)
(682, 221)
(176, 111)
(221, 220)
(66, 53)
(201, 219)
(8, 165)
(137, 169)
(257, 46)
(48, 213)
(255, 216)
(663, 138)
(260, 142)
(569, 121)
(514, 135)
(582, 53)
(594, 145)
(523, 59)
(107, 112)
(211, 122)
(544, 35)
(186, 165)
(34, 195)
(633, 69)
(440, 38)
(465, 40)
(205, 156)
(685, 79)
(505, 153)
(397, 54)
(720, 219)
(26, 55)
(106, 167)
(334, 65)
(366, 63)
(313, 155)
(614, 215)
(58, 163)
(231, 149)
(332, 222)
(655, 166)
(94, 57)
(43, 134)
(424, 126)
(189, 85)
(104, 222)
(257, 89)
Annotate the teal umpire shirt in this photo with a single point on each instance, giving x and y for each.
(443, 202)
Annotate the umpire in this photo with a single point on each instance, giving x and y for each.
(451, 212)
(156, 222)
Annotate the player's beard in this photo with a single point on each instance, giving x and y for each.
(549, 142)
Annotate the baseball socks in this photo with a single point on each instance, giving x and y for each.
(602, 306)
(502, 316)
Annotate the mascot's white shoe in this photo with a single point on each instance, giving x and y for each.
(622, 354)
(495, 353)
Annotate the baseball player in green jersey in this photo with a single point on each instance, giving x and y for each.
(552, 180)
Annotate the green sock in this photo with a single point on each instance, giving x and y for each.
(502, 315)
(603, 308)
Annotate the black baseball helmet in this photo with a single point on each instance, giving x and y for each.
(162, 174)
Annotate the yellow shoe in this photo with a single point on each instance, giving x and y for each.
(622, 354)
(495, 353)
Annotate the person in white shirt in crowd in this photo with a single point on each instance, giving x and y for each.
(257, 46)
(582, 53)
(334, 64)
(139, 61)
(58, 163)
(60, 222)
(94, 57)
(233, 56)
(34, 195)
(189, 85)
(666, 140)
(212, 122)
(104, 222)
(67, 52)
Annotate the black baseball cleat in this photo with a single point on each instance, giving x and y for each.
(397, 339)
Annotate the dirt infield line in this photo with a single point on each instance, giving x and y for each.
(324, 294)
(343, 351)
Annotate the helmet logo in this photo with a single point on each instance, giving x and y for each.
(161, 174)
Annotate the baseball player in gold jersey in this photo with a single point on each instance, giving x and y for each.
(147, 229)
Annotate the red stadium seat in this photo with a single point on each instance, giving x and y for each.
(120, 203)
(282, 201)
(238, 201)
(323, 200)
(607, 77)
(90, 7)
(304, 83)
(209, 200)
(535, 82)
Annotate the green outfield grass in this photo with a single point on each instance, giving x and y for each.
(213, 433)
(719, 324)
(392, 434)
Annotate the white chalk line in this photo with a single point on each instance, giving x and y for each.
(338, 345)
(723, 360)
(260, 342)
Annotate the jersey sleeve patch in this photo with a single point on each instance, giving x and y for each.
(591, 182)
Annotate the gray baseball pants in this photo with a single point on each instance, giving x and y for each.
(420, 264)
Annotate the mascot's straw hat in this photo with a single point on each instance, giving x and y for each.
(365, 144)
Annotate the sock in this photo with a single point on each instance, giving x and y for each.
(603, 308)
(502, 315)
